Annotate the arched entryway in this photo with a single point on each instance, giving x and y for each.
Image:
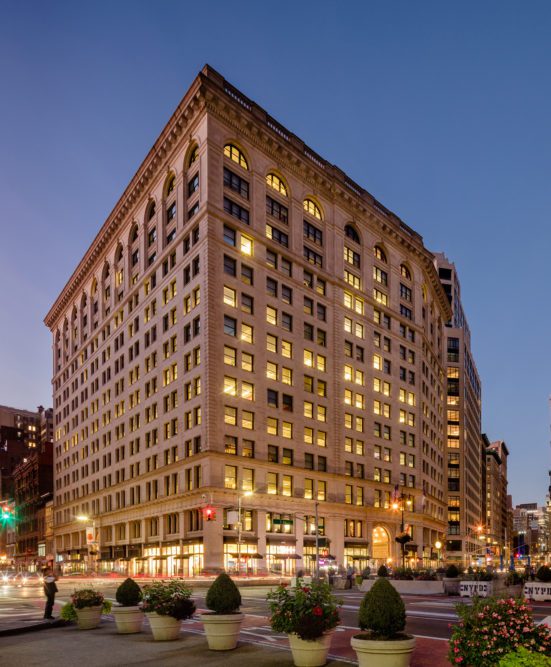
(380, 540)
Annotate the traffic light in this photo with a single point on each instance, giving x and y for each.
(209, 513)
(7, 514)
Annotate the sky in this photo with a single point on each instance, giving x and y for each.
(441, 110)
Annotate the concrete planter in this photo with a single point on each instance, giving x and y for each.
(405, 587)
(222, 630)
(468, 589)
(129, 620)
(164, 628)
(310, 653)
(89, 617)
(537, 590)
(451, 585)
(379, 653)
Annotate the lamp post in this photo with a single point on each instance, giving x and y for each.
(438, 547)
(402, 538)
(240, 526)
(90, 544)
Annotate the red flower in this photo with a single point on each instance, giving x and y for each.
(317, 611)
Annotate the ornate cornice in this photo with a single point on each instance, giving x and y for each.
(210, 92)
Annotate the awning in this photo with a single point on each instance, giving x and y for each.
(182, 556)
(255, 556)
(160, 557)
(287, 556)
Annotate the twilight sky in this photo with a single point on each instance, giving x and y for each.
(441, 110)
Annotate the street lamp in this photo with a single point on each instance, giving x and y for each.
(245, 494)
(402, 538)
(438, 547)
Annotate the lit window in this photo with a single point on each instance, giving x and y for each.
(230, 297)
(277, 184)
(230, 386)
(379, 254)
(312, 208)
(246, 245)
(234, 154)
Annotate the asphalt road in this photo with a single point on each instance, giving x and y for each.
(426, 616)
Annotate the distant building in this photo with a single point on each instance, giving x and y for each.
(531, 530)
(463, 416)
(495, 507)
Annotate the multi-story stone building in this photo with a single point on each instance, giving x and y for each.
(464, 443)
(249, 330)
(495, 506)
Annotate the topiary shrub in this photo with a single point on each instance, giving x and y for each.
(452, 572)
(129, 594)
(223, 596)
(382, 611)
(544, 574)
(382, 571)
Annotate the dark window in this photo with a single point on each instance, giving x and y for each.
(236, 211)
(271, 287)
(193, 185)
(170, 213)
(236, 183)
(230, 325)
(229, 235)
(277, 210)
(193, 210)
(230, 265)
(312, 257)
(313, 233)
(278, 236)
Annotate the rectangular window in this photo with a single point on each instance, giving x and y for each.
(312, 257)
(233, 209)
(312, 233)
(276, 235)
(236, 183)
(277, 210)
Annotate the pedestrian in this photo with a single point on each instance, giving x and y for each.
(50, 589)
(349, 576)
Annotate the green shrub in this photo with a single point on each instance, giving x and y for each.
(544, 574)
(68, 612)
(403, 574)
(382, 611)
(223, 596)
(168, 598)
(382, 571)
(513, 578)
(128, 594)
(452, 572)
(524, 658)
(490, 628)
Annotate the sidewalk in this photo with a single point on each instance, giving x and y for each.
(102, 647)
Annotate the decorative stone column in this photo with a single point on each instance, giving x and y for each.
(213, 544)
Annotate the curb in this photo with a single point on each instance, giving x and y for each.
(59, 623)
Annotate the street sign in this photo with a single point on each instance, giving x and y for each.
(282, 522)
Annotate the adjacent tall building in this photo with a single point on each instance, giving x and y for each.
(252, 341)
(465, 452)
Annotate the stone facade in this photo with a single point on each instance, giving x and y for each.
(247, 320)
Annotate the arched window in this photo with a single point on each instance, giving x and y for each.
(405, 272)
(134, 234)
(235, 155)
(194, 156)
(119, 253)
(170, 184)
(150, 211)
(379, 254)
(351, 233)
(277, 184)
(312, 208)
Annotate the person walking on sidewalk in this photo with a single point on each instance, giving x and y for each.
(50, 589)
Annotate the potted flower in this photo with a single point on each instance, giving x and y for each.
(383, 616)
(490, 628)
(307, 614)
(86, 607)
(166, 604)
(128, 615)
(223, 622)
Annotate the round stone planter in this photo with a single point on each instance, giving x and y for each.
(222, 630)
(164, 628)
(128, 619)
(88, 617)
(310, 652)
(379, 653)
